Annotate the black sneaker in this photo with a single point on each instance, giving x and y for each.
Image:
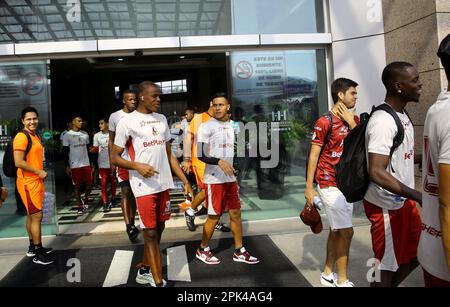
(85, 203)
(115, 203)
(46, 250)
(202, 211)
(132, 232)
(80, 210)
(42, 258)
(190, 221)
(31, 252)
(222, 227)
(107, 207)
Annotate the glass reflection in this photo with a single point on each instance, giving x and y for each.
(276, 93)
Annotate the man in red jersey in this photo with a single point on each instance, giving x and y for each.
(325, 154)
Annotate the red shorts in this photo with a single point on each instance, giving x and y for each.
(221, 197)
(395, 234)
(153, 209)
(434, 282)
(122, 174)
(81, 175)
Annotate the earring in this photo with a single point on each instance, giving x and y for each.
(399, 91)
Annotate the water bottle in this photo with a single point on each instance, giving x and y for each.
(48, 207)
(46, 215)
(318, 202)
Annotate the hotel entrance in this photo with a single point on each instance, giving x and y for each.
(276, 94)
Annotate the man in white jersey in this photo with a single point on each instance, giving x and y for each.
(434, 245)
(101, 140)
(127, 201)
(216, 149)
(390, 199)
(75, 149)
(150, 165)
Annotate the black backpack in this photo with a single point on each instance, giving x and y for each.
(352, 176)
(9, 166)
(329, 117)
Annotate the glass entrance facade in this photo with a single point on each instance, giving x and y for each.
(277, 89)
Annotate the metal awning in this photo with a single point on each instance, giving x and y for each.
(27, 21)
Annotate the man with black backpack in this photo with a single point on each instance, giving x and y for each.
(330, 131)
(390, 198)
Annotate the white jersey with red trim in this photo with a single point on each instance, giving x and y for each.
(101, 141)
(436, 150)
(219, 137)
(77, 142)
(149, 134)
(113, 121)
(380, 133)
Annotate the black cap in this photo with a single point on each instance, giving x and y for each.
(444, 48)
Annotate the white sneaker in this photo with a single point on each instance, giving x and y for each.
(328, 281)
(345, 284)
(164, 284)
(146, 278)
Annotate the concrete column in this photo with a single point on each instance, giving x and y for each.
(413, 31)
(358, 47)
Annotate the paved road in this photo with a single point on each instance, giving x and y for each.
(116, 266)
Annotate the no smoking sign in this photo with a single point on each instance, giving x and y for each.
(33, 83)
(244, 70)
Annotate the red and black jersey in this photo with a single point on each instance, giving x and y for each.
(332, 150)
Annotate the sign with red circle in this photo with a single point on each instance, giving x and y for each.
(33, 83)
(244, 70)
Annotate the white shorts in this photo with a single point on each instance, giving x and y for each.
(339, 211)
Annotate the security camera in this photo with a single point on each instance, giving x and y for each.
(138, 53)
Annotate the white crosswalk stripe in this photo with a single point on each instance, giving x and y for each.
(177, 264)
(119, 269)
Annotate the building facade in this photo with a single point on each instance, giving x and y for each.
(276, 60)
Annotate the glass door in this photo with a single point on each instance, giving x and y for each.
(25, 84)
